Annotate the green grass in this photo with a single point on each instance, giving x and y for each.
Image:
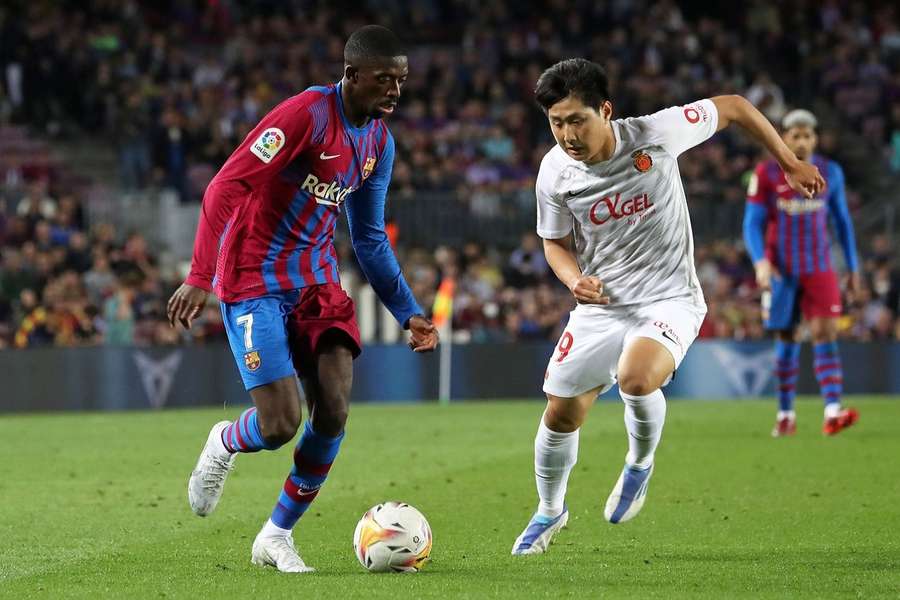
(94, 506)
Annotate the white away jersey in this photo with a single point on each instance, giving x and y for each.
(629, 214)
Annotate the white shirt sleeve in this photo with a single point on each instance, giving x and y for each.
(554, 219)
(680, 128)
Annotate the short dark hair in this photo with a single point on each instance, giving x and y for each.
(372, 41)
(577, 77)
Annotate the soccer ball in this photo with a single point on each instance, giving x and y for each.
(392, 536)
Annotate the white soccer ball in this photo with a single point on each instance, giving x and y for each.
(392, 536)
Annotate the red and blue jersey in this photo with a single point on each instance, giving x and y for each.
(268, 216)
(792, 231)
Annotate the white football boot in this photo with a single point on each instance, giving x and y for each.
(627, 498)
(208, 477)
(538, 534)
(278, 551)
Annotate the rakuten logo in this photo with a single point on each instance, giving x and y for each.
(800, 206)
(325, 193)
(607, 208)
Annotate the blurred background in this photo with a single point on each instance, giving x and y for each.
(114, 115)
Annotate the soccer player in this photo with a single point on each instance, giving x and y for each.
(264, 245)
(787, 238)
(616, 231)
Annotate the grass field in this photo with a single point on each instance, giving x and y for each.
(94, 506)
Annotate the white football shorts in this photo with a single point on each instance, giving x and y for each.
(587, 355)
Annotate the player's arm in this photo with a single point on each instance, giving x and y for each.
(554, 226)
(365, 216)
(843, 224)
(802, 176)
(266, 151)
(756, 215)
(586, 288)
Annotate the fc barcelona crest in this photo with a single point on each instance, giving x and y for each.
(251, 360)
(368, 167)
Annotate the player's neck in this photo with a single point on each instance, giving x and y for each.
(607, 149)
(357, 117)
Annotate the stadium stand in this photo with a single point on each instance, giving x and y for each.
(165, 92)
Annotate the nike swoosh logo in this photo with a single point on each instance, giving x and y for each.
(324, 156)
(572, 194)
(669, 337)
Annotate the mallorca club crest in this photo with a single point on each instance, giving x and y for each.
(251, 360)
(642, 161)
(368, 167)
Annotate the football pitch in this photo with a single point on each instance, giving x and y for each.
(94, 506)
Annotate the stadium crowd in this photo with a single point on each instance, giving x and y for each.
(174, 87)
(62, 284)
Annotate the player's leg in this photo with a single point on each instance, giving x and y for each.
(555, 454)
(787, 366)
(324, 342)
(583, 365)
(829, 374)
(327, 395)
(821, 305)
(259, 341)
(652, 351)
(781, 313)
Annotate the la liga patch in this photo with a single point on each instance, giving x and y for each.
(268, 144)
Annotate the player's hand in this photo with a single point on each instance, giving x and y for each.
(805, 178)
(765, 271)
(588, 289)
(853, 285)
(423, 334)
(185, 304)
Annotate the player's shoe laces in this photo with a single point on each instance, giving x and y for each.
(537, 535)
(278, 551)
(845, 419)
(627, 498)
(785, 426)
(208, 477)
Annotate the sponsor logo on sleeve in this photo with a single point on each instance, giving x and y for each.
(694, 113)
(268, 144)
(753, 185)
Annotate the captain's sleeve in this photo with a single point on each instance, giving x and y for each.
(554, 219)
(756, 213)
(365, 217)
(680, 128)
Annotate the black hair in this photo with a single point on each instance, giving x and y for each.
(371, 42)
(577, 77)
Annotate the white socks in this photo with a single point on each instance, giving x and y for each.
(554, 456)
(644, 418)
(270, 529)
(786, 414)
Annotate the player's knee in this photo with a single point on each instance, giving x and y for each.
(330, 420)
(562, 421)
(277, 432)
(637, 384)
